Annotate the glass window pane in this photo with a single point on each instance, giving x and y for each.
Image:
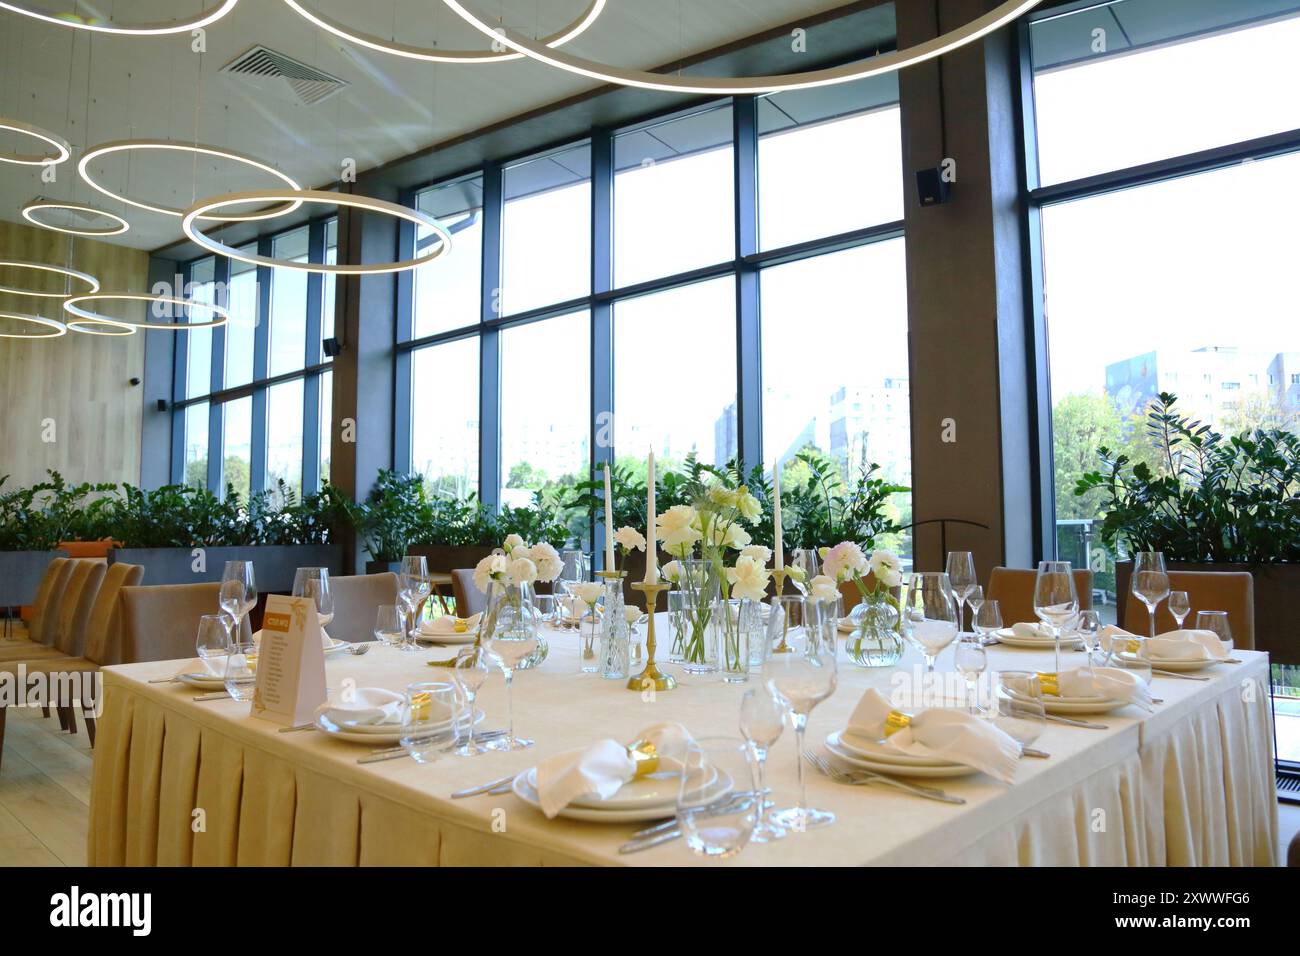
(675, 374)
(444, 416)
(835, 366)
(236, 448)
(830, 160)
(198, 358)
(328, 284)
(447, 290)
(544, 437)
(284, 435)
(1144, 98)
(288, 304)
(242, 327)
(326, 423)
(196, 445)
(546, 230)
(673, 202)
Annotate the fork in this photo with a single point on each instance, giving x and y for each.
(866, 776)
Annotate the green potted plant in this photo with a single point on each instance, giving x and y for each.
(389, 518)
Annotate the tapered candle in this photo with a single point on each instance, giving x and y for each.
(609, 524)
(651, 546)
(778, 559)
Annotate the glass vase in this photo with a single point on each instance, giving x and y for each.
(737, 627)
(615, 632)
(874, 640)
(691, 611)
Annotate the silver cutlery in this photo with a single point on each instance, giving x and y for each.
(1031, 752)
(862, 777)
(359, 648)
(296, 727)
(216, 695)
(164, 680)
(392, 753)
(724, 805)
(1155, 670)
(645, 843)
(1070, 721)
(483, 788)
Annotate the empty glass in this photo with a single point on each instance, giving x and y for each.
(987, 621)
(314, 583)
(430, 710)
(930, 614)
(961, 574)
(805, 560)
(784, 622)
(546, 608)
(1150, 582)
(241, 670)
(1179, 606)
(1088, 627)
(1056, 601)
(390, 625)
(714, 826)
(1216, 621)
(414, 591)
(970, 659)
(973, 601)
(213, 643)
(577, 568)
(762, 719)
(510, 646)
(238, 594)
(470, 672)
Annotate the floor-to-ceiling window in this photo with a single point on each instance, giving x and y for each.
(1161, 134)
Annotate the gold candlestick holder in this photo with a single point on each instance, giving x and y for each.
(783, 647)
(652, 676)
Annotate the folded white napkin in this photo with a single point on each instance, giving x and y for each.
(941, 733)
(1188, 645)
(209, 667)
(1112, 632)
(1027, 631)
(449, 625)
(371, 706)
(1112, 683)
(601, 768)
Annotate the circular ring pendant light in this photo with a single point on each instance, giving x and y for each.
(30, 210)
(62, 148)
(998, 17)
(90, 280)
(100, 327)
(55, 328)
(130, 145)
(436, 55)
(72, 307)
(122, 29)
(201, 209)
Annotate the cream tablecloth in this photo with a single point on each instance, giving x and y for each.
(180, 782)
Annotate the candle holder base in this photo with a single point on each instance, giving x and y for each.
(784, 647)
(651, 676)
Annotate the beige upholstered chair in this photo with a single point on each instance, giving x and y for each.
(60, 614)
(357, 598)
(469, 599)
(48, 594)
(1013, 589)
(1231, 591)
(160, 623)
(69, 635)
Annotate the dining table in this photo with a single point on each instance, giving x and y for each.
(185, 781)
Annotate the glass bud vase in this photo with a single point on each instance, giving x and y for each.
(615, 632)
(874, 640)
(736, 627)
(691, 611)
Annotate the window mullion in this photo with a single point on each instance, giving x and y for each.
(749, 398)
(489, 480)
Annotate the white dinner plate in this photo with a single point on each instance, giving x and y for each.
(1167, 665)
(656, 790)
(388, 734)
(898, 770)
(527, 792)
(449, 639)
(202, 680)
(1081, 705)
(873, 750)
(1007, 636)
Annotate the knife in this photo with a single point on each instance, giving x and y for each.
(1076, 723)
(645, 843)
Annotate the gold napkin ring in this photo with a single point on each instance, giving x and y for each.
(1132, 645)
(896, 721)
(645, 757)
(1050, 684)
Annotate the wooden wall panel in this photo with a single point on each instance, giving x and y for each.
(81, 382)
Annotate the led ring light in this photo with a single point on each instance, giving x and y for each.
(435, 55)
(884, 63)
(46, 267)
(128, 145)
(58, 327)
(119, 226)
(200, 210)
(130, 30)
(62, 149)
(86, 316)
(89, 327)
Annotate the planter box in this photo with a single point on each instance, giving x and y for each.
(1277, 595)
(273, 565)
(379, 567)
(20, 573)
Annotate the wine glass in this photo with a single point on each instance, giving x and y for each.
(390, 626)
(510, 646)
(1018, 706)
(1216, 621)
(314, 583)
(1056, 601)
(762, 719)
(1150, 582)
(802, 677)
(546, 607)
(238, 593)
(470, 672)
(712, 828)
(970, 659)
(805, 560)
(241, 670)
(987, 620)
(576, 567)
(961, 574)
(1179, 606)
(427, 711)
(414, 589)
(1088, 628)
(213, 643)
(973, 601)
(930, 614)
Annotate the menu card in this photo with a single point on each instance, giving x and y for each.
(290, 662)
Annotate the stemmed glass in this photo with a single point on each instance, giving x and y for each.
(1056, 601)
(414, 580)
(803, 678)
(510, 646)
(390, 626)
(471, 671)
(970, 659)
(930, 614)
(314, 583)
(987, 620)
(238, 593)
(577, 568)
(762, 719)
(213, 643)
(974, 601)
(1088, 627)
(806, 560)
(1150, 582)
(961, 574)
(1179, 606)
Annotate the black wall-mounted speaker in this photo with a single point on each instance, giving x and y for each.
(332, 347)
(161, 405)
(931, 188)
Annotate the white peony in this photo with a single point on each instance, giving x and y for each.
(632, 614)
(490, 569)
(548, 561)
(629, 539)
(756, 551)
(748, 505)
(589, 592)
(887, 567)
(843, 561)
(748, 579)
(824, 588)
(522, 571)
(672, 572)
(511, 542)
(676, 528)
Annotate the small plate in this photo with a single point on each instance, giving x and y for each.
(897, 770)
(872, 750)
(389, 734)
(203, 681)
(1176, 666)
(1007, 636)
(448, 639)
(527, 792)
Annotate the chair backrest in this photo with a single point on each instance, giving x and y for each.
(469, 599)
(1231, 591)
(74, 607)
(1013, 589)
(160, 623)
(103, 631)
(357, 598)
(48, 592)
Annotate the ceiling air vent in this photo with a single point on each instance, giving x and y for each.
(269, 70)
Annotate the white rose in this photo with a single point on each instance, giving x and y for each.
(511, 542)
(629, 539)
(547, 559)
(676, 528)
(488, 570)
(824, 588)
(522, 571)
(756, 551)
(589, 592)
(631, 614)
(748, 579)
(672, 572)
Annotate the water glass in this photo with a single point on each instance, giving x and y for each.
(546, 608)
(414, 591)
(970, 659)
(961, 575)
(714, 826)
(1179, 606)
(987, 620)
(1056, 601)
(930, 614)
(1150, 582)
(241, 670)
(1216, 621)
(390, 625)
(430, 710)
(806, 560)
(762, 720)
(314, 583)
(1088, 628)
(470, 673)
(238, 594)
(213, 643)
(784, 622)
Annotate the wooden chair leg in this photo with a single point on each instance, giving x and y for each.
(69, 717)
(45, 710)
(88, 714)
(3, 711)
